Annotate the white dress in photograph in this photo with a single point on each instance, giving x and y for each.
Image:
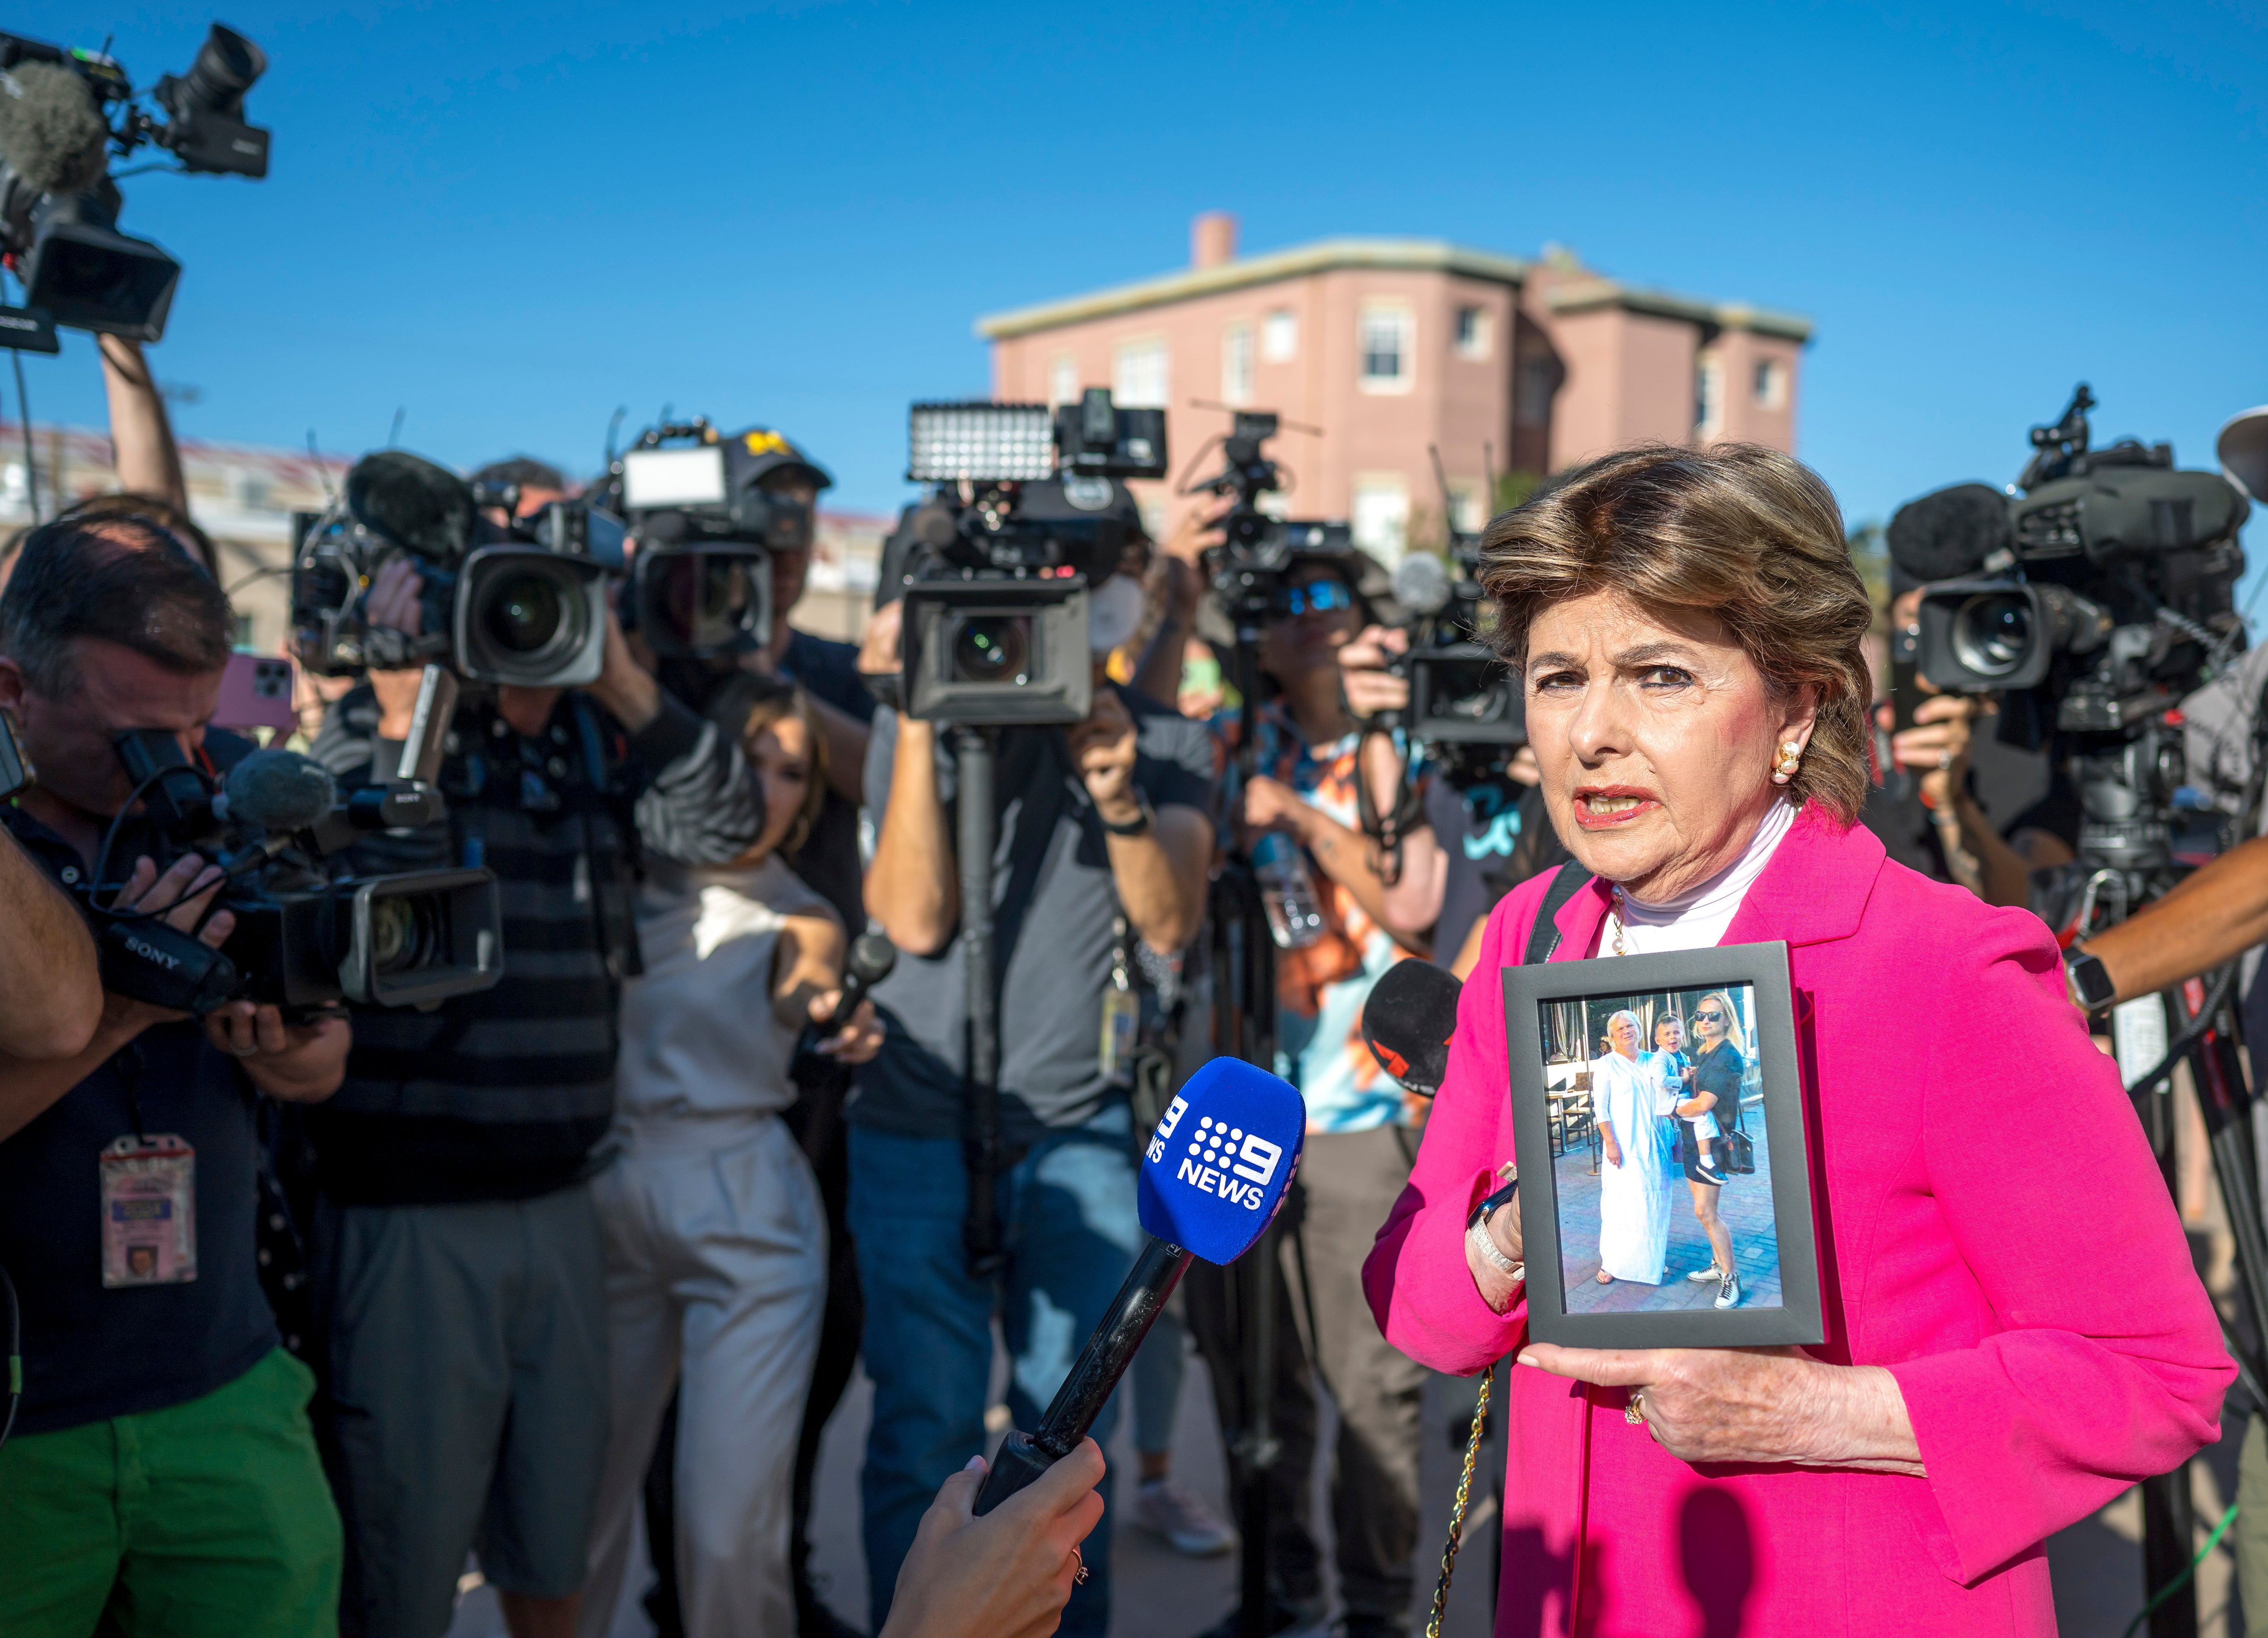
(1633, 1197)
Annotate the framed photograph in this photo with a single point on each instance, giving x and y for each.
(1665, 1185)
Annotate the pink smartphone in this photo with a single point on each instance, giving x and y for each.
(255, 692)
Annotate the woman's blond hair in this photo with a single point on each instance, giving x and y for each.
(1733, 1038)
(769, 707)
(1741, 532)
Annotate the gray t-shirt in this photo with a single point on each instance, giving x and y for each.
(1051, 935)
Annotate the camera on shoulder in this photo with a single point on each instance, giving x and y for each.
(522, 602)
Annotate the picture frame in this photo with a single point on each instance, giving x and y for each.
(1576, 1066)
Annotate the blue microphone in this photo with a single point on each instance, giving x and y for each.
(1215, 1173)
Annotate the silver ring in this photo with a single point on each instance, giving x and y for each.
(245, 1051)
(1944, 760)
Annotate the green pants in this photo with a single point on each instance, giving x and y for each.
(206, 1518)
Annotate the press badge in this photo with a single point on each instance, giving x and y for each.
(1122, 1017)
(149, 1211)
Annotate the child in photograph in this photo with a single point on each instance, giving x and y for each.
(1678, 1072)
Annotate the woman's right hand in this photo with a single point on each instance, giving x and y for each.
(1613, 1150)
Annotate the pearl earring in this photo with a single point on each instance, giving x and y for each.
(1791, 758)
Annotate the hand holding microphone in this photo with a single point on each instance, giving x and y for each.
(1217, 1168)
(843, 1019)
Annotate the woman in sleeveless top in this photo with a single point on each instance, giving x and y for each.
(716, 1240)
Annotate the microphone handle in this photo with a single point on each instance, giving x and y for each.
(1109, 1350)
(854, 991)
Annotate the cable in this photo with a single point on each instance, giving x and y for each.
(2182, 1579)
(15, 1356)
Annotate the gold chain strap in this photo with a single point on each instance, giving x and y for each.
(1457, 1510)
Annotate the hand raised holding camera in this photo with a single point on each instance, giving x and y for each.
(1370, 687)
(1102, 750)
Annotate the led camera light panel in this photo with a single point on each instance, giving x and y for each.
(981, 442)
(654, 479)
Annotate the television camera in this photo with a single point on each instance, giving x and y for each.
(63, 115)
(2092, 596)
(504, 599)
(1023, 518)
(1464, 703)
(701, 580)
(304, 940)
(1257, 547)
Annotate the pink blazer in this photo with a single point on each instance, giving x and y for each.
(1992, 1228)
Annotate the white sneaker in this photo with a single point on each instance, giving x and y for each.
(1728, 1292)
(1707, 1275)
(1164, 1509)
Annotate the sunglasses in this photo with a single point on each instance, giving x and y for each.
(1317, 596)
(1708, 1018)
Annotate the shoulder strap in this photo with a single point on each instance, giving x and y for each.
(1544, 937)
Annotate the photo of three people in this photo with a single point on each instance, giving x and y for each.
(1660, 1159)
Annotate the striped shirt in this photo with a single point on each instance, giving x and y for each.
(502, 1095)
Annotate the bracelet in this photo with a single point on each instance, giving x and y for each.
(1477, 1237)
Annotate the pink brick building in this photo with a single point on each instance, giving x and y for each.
(1387, 347)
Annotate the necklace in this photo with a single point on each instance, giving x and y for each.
(1616, 938)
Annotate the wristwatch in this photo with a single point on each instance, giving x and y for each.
(2088, 980)
(1139, 825)
(1477, 1236)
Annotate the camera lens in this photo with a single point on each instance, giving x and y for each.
(524, 613)
(704, 599)
(993, 648)
(1993, 633)
(405, 933)
(1471, 690)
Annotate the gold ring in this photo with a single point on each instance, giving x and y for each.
(1634, 1409)
(1078, 1575)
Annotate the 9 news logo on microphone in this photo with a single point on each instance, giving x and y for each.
(1222, 1158)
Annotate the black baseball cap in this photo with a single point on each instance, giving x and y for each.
(765, 453)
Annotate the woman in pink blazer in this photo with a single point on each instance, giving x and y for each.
(2015, 1331)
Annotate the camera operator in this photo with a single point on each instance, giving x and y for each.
(459, 1276)
(1106, 818)
(167, 1351)
(1325, 661)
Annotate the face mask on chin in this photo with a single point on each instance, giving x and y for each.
(1113, 614)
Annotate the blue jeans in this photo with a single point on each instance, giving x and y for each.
(1067, 1211)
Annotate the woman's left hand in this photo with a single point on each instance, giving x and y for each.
(1752, 1404)
(857, 1040)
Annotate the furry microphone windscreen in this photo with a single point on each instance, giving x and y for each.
(51, 130)
(413, 503)
(1950, 532)
(1421, 584)
(279, 791)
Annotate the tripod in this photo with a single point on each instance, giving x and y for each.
(976, 834)
(1244, 1026)
(2125, 853)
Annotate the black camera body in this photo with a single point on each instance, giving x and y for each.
(521, 602)
(705, 526)
(2107, 596)
(303, 941)
(1023, 518)
(1464, 701)
(64, 114)
(1257, 548)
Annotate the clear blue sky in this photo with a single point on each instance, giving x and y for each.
(507, 219)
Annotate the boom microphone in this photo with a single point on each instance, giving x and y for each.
(278, 792)
(1422, 585)
(52, 135)
(1407, 1021)
(1950, 533)
(1216, 1170)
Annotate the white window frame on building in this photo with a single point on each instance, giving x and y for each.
(1379, 511)
(1236, 363)
(1771, 383)
(1385, 332)
(1062, 379)
(1280, 335)
(1141, 373)
(1475, 332)
(1709, 397)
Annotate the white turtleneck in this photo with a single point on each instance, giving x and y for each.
(1696, 918)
